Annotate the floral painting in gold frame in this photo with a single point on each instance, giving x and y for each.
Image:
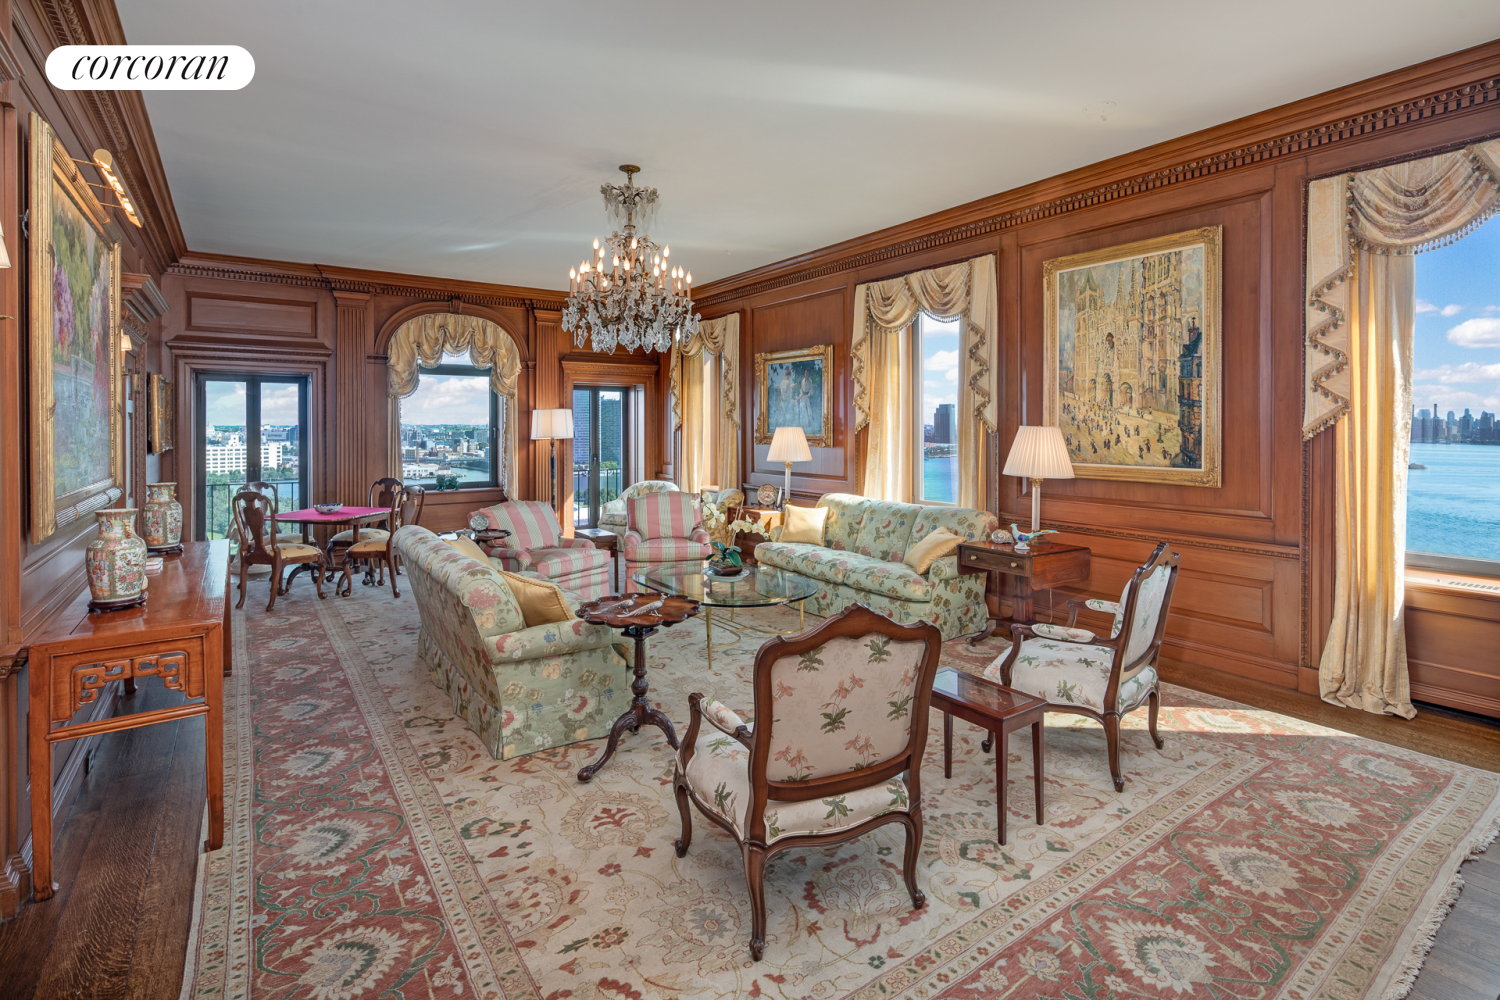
(77, 398)
(795, 389)
(1133, 345)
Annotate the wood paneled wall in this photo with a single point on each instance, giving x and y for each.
(1257, 552)
(38, 580)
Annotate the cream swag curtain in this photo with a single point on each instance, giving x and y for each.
(966, 290)
(422, 342)
(709, 455)
(1363, 231)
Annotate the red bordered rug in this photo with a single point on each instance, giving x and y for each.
(375, 849)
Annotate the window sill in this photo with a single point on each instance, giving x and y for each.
(1442, 582)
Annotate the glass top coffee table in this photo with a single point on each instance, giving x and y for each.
(756, 587)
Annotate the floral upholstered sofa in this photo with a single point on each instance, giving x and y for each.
(520, 689)
(859, 562)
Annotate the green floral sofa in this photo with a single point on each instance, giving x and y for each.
(860, 562)
(520, 689)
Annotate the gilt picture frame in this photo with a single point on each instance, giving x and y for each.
(160, 414)
(795, 388)
(1133, 356)
(77, 395)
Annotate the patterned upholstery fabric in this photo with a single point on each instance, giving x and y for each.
(1071, 673)
(348, 534)
(520, 689)
(368, 547)
(1116, 608)
(664, 550)
(721, 767)
(531, 523)
(554, 564)
(951, 600)
(663, 515)
(843, 706)
(612, 514)
(1148, 607)
(536, 543)
(297, 550)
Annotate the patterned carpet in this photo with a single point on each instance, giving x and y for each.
(375, 849)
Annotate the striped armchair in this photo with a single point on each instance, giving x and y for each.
(536, 545)
(612, 516)
(663, 528)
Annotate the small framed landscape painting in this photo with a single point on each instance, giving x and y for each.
(796, 390)
(77, 397)
(1133, 349)
(159, 422)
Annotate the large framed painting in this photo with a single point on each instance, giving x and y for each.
(77, 398)
(796, 390)
(1133, 359)
(159, 414)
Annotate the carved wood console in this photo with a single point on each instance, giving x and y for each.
(180, 635)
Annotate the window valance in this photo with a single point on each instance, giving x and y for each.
(423, 340)
(1398, 210)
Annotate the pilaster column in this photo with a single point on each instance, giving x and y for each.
(353, 416)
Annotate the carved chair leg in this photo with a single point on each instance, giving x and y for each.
(1153, 702)
(275, 582)
(913, 850)
(681, 844)
(755, 877)
(244, 571)
(395, 591)
(1112, 740)
(318, 577)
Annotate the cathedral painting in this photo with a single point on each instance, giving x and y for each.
(1132, 348)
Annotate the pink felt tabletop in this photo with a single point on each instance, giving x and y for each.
(310, 516)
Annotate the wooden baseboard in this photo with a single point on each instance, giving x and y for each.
(15, 885)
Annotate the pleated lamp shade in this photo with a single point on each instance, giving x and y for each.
(1039, 453)
(789, 444)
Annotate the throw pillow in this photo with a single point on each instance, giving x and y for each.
(803, 524)
(468, 547)
(934, 545)
(542, 603)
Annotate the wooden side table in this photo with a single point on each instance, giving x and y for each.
(605, 539)
(674, 609)
(770, 517)
(180, 634)
(1046, 566)
(999, 709)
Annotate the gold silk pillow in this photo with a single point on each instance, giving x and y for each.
(803, 524)
(934, 545)
(542, 603)
(468, 547)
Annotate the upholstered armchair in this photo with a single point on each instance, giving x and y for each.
(612, 515)
(834, 750)
(1104, 679)
(536, 544)
(663, 528)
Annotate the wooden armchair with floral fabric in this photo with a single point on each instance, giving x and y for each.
(1104, 679)
(834, 751)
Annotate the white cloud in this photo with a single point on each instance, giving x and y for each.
(1469, 371)
(1490, 310)
(448, 399)
(1447, 398)
(1476, 333)
(944, 363)
(1423, 306)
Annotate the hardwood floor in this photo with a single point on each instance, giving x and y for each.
(126, 856)
(128, 849)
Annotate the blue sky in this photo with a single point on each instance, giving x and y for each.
(1458, 325)
(939, 365)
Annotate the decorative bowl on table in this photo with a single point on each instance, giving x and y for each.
(328, 508)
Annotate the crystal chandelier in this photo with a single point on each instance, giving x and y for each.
(627, 294)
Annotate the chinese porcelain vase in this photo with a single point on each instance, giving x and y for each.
(116, 560)
(163, 519)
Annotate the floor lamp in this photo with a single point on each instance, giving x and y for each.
(550, 426)
(788, 445)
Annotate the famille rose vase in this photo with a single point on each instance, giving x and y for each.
(116, 560)
(163, 519)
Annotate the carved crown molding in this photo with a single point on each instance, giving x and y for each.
(143, 299)
(1405, 114)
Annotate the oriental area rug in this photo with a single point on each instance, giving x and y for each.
(375, 849)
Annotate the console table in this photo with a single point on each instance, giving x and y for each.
(181, 634)
(1045, 566)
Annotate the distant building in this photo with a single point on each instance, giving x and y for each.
(229, 457)
(1190, 401)
(942, 424)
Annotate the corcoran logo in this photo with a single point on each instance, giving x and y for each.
(150, 67)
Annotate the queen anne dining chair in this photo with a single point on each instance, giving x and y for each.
(383, 493)
(834, 750)
(270, 490)
(406, 509)
(1104, 679)
(255, 520)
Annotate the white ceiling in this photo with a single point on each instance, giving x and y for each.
(469, 140)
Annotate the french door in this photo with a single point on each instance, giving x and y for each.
(250, 428)
(601, 449)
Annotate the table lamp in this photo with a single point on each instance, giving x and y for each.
(550, 426)
(789, 445)
(1038, 453)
